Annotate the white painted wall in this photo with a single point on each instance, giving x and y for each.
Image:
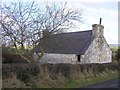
(59, 58)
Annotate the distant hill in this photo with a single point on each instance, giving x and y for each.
(114, 45)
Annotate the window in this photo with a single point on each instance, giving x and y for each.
(78, 57)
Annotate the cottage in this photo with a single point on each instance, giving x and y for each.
(80, 47)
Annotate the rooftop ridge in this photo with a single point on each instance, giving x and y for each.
(78, 31)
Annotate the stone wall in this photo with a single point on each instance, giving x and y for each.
(98, 52)
(59, 58)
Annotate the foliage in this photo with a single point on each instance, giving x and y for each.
(114, 53)
(13, 82)
(8, 50)
(118, 53)
(10, 55)
(114, 49)
(12, 50)
(50, 79)
(60, 82)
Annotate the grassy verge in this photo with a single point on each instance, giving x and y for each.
(46, 79)
(99, 78)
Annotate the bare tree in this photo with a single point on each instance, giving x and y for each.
(15, 21)
(22, 24)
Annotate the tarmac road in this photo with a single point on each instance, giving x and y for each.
(106, 84)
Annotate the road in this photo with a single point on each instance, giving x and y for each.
(106, 84)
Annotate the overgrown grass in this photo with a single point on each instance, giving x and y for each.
(99, 78)
(13, 82)
(46, 80)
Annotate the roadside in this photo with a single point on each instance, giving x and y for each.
(106, 84)
(103, 77)
(25, 76)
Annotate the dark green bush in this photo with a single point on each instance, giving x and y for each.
(114, 54)
(24, 76)
(12, 50)
(118, 53)
(8, 50)
(11, 55)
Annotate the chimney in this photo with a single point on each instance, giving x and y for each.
(97, 29)
(45, 33)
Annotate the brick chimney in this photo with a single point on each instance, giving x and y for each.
(97, 30)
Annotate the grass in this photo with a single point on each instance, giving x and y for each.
(46, 79)
(99, 78)
(12, 82)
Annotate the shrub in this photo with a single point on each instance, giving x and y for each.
(12, 50)
(118, 53)
(55, 75)
(8, 50)
(114, 53)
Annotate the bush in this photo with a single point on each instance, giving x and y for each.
(53, 75)
(118, 53)
(11, 55)
(12, 50)
(13, 58)
(114, 53)
(8, 50)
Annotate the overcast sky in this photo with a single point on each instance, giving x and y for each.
(92, 11)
